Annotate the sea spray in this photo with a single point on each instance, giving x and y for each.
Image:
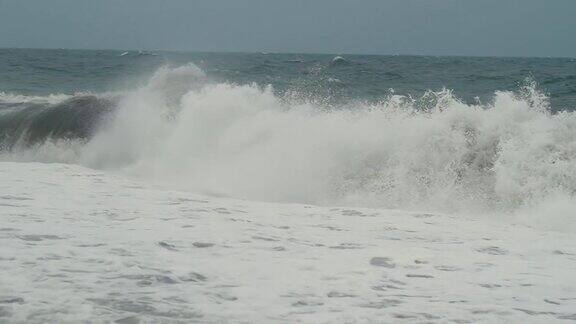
(436, 152)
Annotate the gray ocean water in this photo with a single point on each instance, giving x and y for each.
(42, 72)
(105, 228)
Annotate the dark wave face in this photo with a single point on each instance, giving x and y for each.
(28, 123)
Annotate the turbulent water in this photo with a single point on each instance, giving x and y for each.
(140, 187)
(446, 134)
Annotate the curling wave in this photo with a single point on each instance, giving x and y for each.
(26, 121)
(244, 141)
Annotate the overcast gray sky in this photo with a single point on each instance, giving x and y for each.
(435, 27)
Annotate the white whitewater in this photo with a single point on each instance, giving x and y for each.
(183, 131)
(127, 226)
(78, 245)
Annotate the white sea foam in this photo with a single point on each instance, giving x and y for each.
(244, 141)
(84, 246)
(11, 98)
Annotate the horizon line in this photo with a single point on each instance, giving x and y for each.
(284, 53)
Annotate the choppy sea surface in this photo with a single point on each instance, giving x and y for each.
(359, 77)
(208, 187)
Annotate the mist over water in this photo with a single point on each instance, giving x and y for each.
(183, 130)
(113, 167)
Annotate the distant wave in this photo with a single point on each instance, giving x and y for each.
(16, 99)
(244, 141)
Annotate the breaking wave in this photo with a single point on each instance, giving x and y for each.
(245, 141)
(25, 121)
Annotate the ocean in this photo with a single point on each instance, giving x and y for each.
(141, 186)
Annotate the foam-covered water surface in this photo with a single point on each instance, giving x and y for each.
(78, 245)
(145, 187)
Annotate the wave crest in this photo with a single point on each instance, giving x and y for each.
(244, 141)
